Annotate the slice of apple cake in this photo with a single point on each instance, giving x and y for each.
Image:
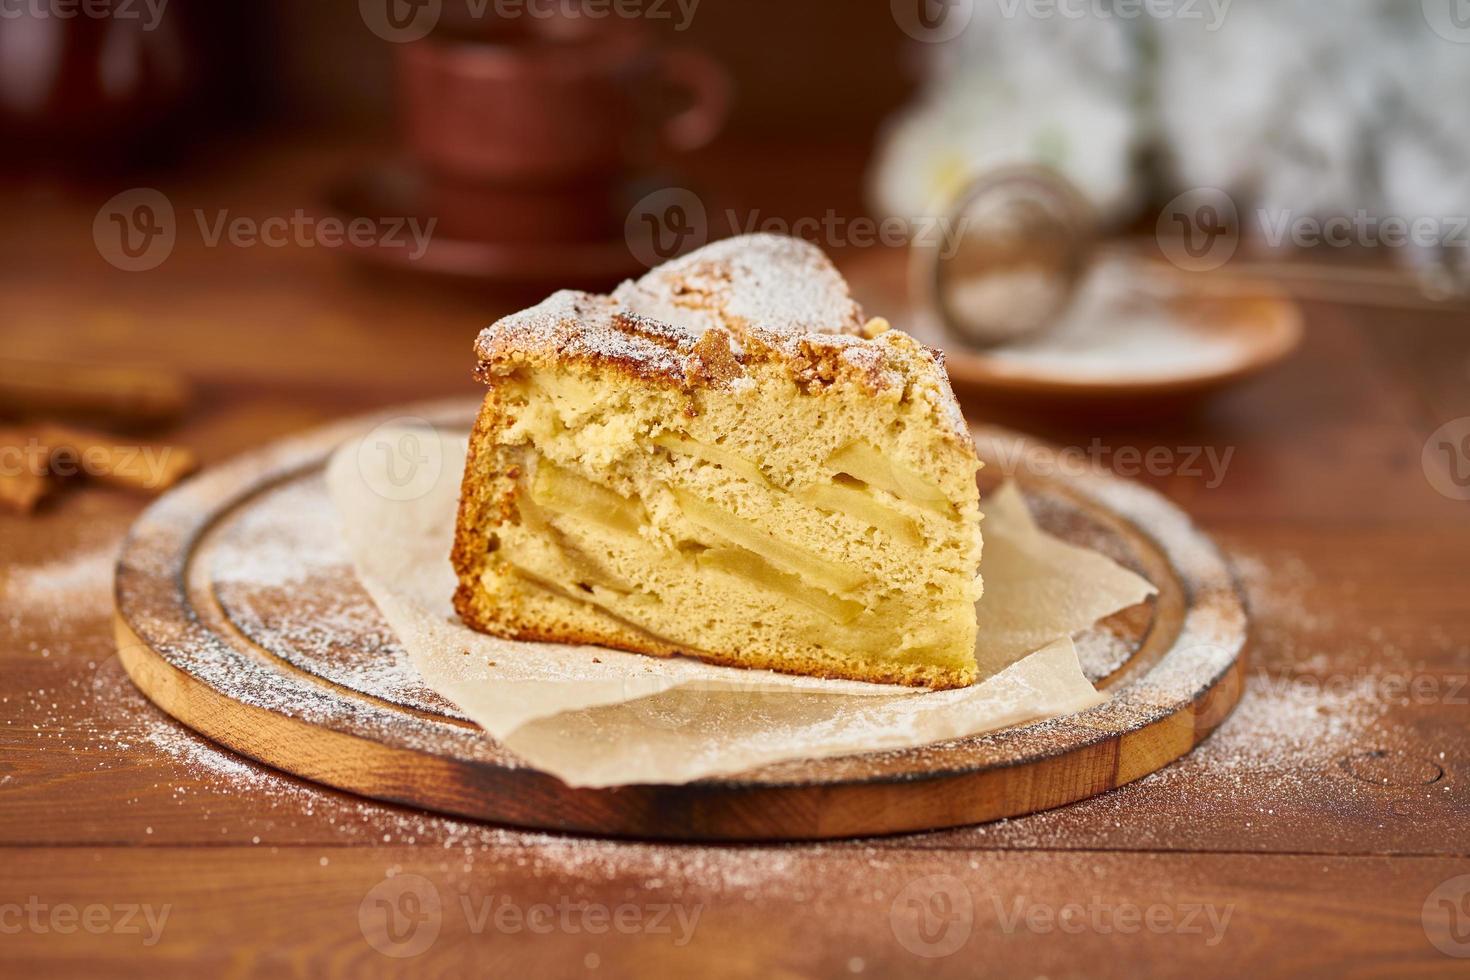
(724, 460)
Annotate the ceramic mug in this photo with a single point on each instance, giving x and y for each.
(547, 104)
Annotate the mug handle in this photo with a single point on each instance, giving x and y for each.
(710, 90)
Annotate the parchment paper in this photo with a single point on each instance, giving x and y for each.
(598, 717)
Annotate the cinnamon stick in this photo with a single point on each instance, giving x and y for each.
(24, 477)
(106, 393)
(128, 464)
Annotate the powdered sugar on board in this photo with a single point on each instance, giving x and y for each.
(282, 574)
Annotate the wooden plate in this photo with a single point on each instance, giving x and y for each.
(1262, 324)
(1254, 323)
(238, 614)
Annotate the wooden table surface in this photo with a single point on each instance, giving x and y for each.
(1323, 830)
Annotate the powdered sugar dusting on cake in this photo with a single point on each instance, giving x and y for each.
(768, 297)
(779, 285)
(578, 326)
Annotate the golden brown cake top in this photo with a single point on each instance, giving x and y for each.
(701, 319)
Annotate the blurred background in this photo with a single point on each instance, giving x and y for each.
(1178, 217)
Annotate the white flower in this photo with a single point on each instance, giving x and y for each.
(1055, 91)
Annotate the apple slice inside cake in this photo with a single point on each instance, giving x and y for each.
(724, 460)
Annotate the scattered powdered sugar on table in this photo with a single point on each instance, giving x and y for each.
(1277, 587)
(250, 803)
(55, 594)
(1285, 750)
(65, 586)
(1283, 744)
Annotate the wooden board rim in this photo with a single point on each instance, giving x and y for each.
(189, 511)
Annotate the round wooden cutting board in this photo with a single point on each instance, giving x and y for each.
(238, 613)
